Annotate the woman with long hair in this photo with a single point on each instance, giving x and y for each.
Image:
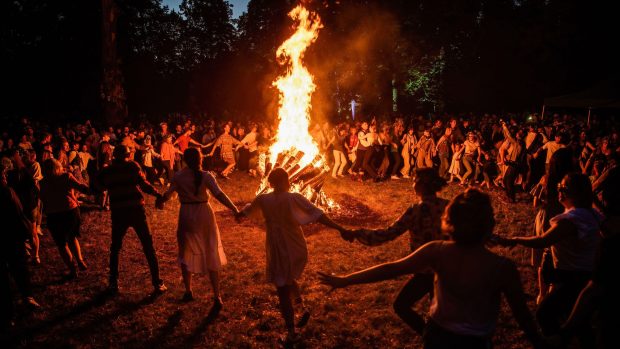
(469, 279)
(198, 236)
(61, 206)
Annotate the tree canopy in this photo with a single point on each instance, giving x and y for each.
(438, 55)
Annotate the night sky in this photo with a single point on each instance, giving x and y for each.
(239, 6)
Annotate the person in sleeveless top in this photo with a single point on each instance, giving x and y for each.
(423, 221)
(287, 254)
(573, 237)
(198, 236)
(469, 279)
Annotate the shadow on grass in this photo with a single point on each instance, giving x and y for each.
(193, 339)
(158, 338)
(84, 330)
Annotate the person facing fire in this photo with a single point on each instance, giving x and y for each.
(287, 254)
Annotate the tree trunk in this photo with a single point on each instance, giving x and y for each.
(113, 100)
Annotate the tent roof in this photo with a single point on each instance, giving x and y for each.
(605, 94)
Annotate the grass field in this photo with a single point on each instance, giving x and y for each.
(77, 314)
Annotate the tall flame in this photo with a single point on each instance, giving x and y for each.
(296, 88)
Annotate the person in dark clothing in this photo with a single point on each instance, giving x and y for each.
(16, 229)
(126, 184)
(514, 160)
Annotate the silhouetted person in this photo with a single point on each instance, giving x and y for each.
(16, 228)
(126, 183)
(469, 279)
(573, 237)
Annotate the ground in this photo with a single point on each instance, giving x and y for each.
(77, 314)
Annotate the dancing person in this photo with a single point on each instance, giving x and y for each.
(60, 204)
(546, 199)
(455, 165)
(551, 147)
(168, 153)
(16, 229)
(287, 254)
(126, 184)
(573, 238)
(198, 236)
(340, 159)
(469, 278)
(249, 147)
(425, 148)
(25, 185)
(408, 142)
(514, 159)
(351, 144)
(226, 142)
(423, 221)
(601, 294)
(444, 144)
(471, 146)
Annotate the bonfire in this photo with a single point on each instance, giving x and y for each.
(294, 148)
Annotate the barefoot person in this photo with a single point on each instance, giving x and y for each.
(125, 183)
(287, 253)
(469, 278)
(200, 247)
(423, 221)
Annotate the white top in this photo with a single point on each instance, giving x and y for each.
(284, 213)
(578, 253)
(552, 147)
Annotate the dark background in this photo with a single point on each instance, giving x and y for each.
(440, 55)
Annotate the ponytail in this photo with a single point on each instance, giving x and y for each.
(193, 159)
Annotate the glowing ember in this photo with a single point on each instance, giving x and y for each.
(294, 149)
(296, 88)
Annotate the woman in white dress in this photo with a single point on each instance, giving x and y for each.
(287, 253)
(200, 247)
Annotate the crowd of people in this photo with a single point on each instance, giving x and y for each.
(565, 164)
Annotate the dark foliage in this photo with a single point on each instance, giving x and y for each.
(437, 55)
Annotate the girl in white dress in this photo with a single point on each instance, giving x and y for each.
(455, 166)
(287, 253)
(200, 247)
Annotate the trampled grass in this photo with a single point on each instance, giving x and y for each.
(76, 314)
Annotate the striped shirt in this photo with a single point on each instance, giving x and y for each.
(126, 184)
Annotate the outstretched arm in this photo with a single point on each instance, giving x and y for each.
(554, 234)
(379, 236)
(225, 200)
(419, 260)
(326, 221)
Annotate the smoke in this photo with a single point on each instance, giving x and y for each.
(354, 58)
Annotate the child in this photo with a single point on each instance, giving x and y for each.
(287, 253)
(455, 166)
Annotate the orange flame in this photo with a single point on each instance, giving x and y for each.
(296, 88)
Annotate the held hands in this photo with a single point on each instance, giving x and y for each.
(333, 280)
(159, 202)
(239, 215)
(502, 241)
(347, 235)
